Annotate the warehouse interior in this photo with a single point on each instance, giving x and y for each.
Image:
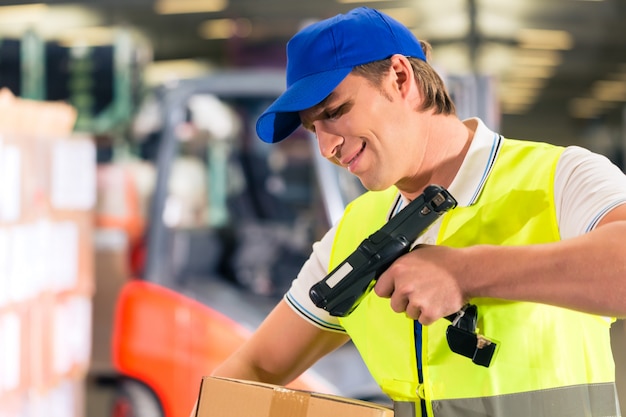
(106, 109)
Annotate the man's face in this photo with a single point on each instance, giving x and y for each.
(368, 130)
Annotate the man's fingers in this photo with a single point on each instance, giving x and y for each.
(384, 286)
(413, 312)
(399, 303)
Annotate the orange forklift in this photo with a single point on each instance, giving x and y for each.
(231, 220)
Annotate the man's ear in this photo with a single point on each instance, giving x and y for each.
(403, 76)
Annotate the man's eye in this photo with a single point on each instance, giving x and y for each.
(333, 114)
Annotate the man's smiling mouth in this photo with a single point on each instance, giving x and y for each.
(349, 163)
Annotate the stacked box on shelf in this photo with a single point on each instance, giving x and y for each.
(47, 195)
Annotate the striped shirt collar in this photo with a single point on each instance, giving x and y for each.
(474, 171)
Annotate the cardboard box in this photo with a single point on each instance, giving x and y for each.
(222, 397)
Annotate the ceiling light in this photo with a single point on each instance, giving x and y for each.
(532, 72)
(361, 1)
(584, 108)
(189, 6)
(522, 86)
(517, 95)
(48, 21)
(160, 72)
(225, 28)
(605, 90)
(15, 20)
(537, 58)
(525, 83)
(545, 39)
(514, 108)
(24, 12)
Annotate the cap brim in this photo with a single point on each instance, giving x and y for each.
(281, 118)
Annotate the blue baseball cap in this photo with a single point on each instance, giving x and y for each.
(322, 54)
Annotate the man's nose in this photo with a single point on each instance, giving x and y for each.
(329, 143)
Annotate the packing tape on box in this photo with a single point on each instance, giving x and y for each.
(289, 403)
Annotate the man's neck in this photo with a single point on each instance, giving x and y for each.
(449, 142)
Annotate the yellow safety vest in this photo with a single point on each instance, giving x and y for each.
(550, 362)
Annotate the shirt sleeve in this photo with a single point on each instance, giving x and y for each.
(314, 270)
(587, 185)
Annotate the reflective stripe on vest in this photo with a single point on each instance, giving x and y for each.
(547, 354)
(578, 400)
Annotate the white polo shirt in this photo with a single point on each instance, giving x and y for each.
(586, 187)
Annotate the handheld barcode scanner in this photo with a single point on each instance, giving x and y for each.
(341, 291)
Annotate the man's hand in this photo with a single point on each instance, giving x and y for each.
(424, 283)
(585, 273)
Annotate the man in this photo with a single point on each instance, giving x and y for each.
(537, 241)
